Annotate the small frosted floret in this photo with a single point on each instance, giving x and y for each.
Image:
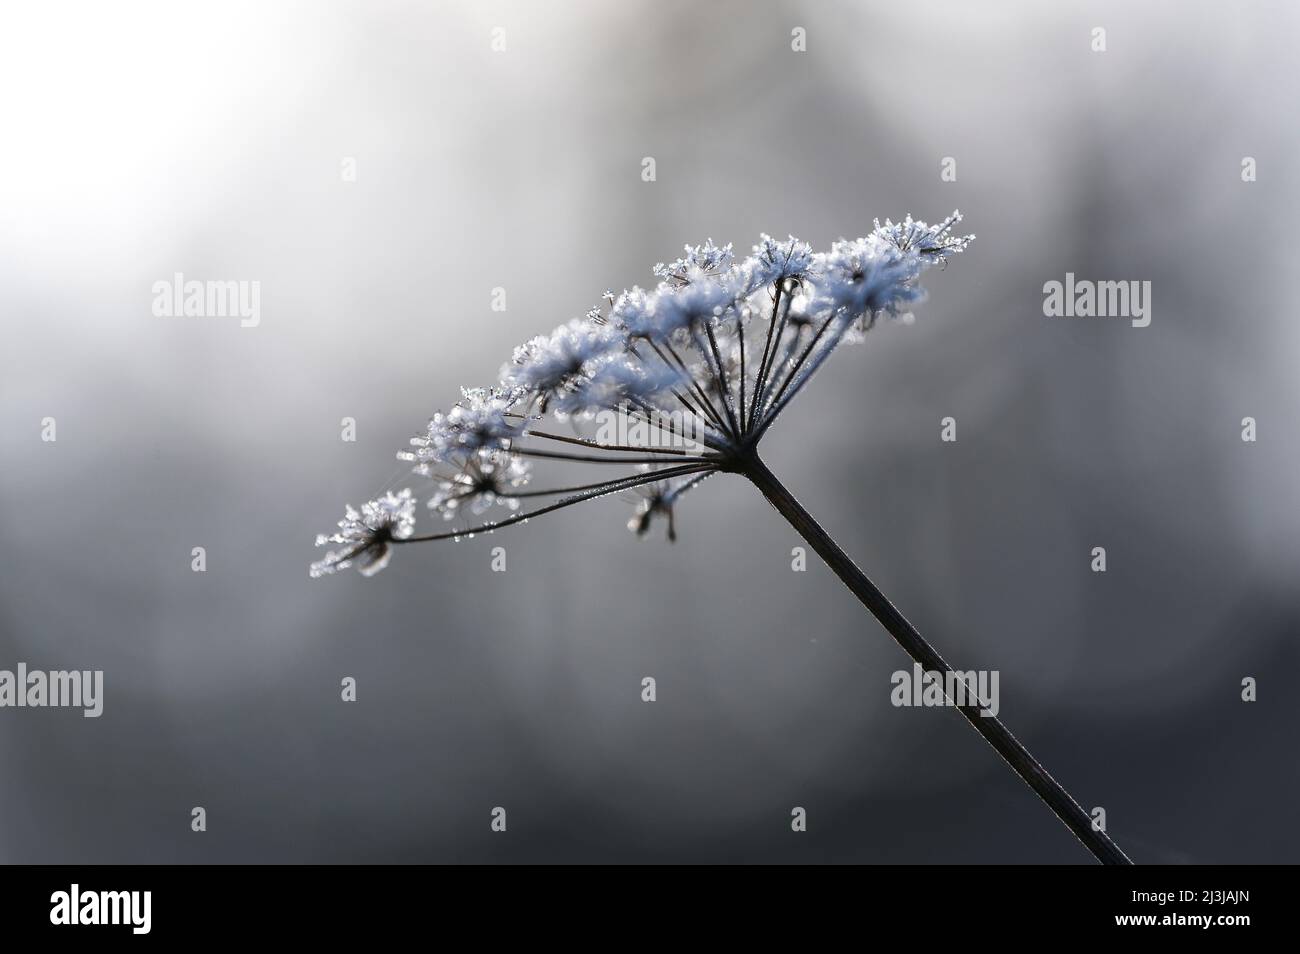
(633, 314)
(551, 365)
(488, 478)
(933, 242)
(656, 500)
(365, 534)
(484, 420)
(865, 276)
(683, 310)
(699, 262)
(617, 380)
(775, 261)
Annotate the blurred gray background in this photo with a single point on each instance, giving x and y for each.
(139, 140)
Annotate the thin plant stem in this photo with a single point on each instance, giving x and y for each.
(556, 491)
(721, 376)
(596, 459)
(596, 445)
(613, 487)
(759, 379)
(795, 370)
(647, 413)
(774, 409)
(774, 369)
(685, 402)
(687, 485)
(740, 340)
(1071, 814)
(705, 401)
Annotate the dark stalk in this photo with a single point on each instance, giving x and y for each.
(685, 402)
(1071, 814)
(740, 338)
(556, 491)
(705, 402)
(797, 365)
(596, 445)
(760, 378)
(791, 346)
(596, 459)
(612, 487)
(648, 414)
(721, 376)
(775, 407)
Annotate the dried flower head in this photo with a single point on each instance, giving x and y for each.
(656, 499)
(933, 241)
(699, 262)
(488, 477)
(552, 366)
(484, 420)
(366, 534)
(706, 362)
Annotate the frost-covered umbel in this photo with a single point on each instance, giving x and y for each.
(366, 533)
(704, 362)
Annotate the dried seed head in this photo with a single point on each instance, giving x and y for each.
(365, 535)
(724, 345)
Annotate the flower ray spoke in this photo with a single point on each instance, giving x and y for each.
(613, 487)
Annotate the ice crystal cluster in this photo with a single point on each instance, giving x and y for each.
(366, 533)
(705, 361)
